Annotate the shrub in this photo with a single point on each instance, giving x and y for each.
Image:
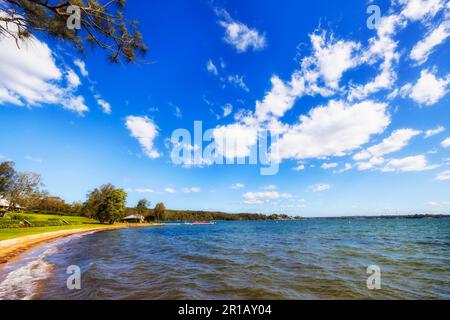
(9, 224)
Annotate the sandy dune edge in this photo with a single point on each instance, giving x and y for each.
(13, 248)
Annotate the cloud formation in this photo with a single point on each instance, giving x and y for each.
(239, 35)
(320, 187)
(428, 89)
(408, 164)
(145, 131)
(264, 196)
(30, 77)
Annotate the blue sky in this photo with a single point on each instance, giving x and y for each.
(362, 114)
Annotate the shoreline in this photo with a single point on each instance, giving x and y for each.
(12, 249)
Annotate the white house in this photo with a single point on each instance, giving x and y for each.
(137, 218)
(4, 203)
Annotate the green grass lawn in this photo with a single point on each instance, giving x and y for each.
(43, 220)
(47, 217)
(6, 234)
(42, 223)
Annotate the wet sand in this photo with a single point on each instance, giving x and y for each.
(14, 248)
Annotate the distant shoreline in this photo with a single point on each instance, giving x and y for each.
(403, 216)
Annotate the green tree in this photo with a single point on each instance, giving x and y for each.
(53, 204)
(77, 208)
(159, 211)
(26, 190)
(7, 177)
(106, 204)
(142, 207)
(100, 24)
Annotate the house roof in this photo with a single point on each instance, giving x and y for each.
(134, 216)
(4, 202)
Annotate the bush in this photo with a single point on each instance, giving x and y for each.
(46, 224)
(9, 224)
(18, 217)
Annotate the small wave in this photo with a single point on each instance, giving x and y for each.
(21, 284)
(23, 281)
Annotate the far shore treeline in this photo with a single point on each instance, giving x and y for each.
(107, 203)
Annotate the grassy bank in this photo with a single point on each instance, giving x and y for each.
(25, 224)
(32, 220)
(7, 234)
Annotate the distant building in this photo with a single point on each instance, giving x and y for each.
(136, 218)
(4, 203)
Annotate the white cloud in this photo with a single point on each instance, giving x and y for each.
(319, 187)
(425, 47)
(210, 66)
(333, 58)
(75, 104)
(347, 166)
(266, 196)
(145, 131)
(240, 36)
(416, 10)
(235, 140)
(29, 75)
(327, 166)
(72, 79)
(395, 142)
(237, 186)
(299, 167)
(382, 48)
(106, 107)
(191, 190)
(367, 165)
(4, 158)
(223, 65)
(280, 98)
(269, 187)
(34, 159)
(408, 164)
(82, 66)
(140, 190)
(227, 110)
(190, 162)
(332, 130)
(169, 190)
(337, 127)
(238, 81)
(428, 90)
(329, 60)
(433, 132)
(443, 176)
(373, 162)
(178, 112)
(446, 143)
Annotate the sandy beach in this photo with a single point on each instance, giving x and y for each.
(13, 248)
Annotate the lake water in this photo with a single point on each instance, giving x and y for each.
(307, 259)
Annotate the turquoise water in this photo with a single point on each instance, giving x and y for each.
(307, 259)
